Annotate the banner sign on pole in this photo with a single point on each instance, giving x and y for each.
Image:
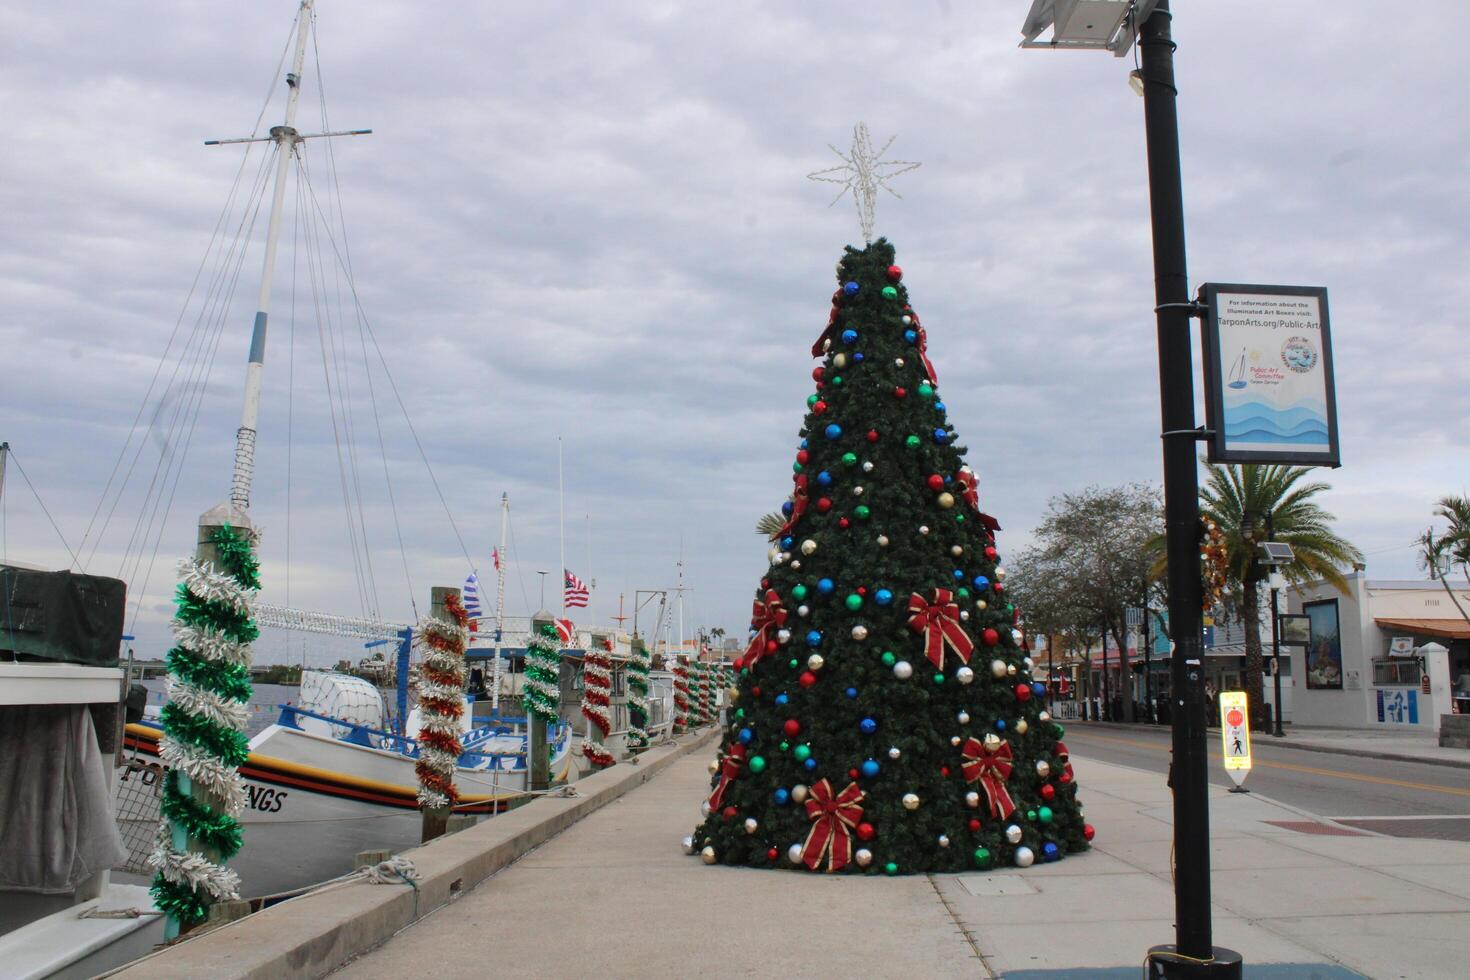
(1269, 390)
(1235, 734)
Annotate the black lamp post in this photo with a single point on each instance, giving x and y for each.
(1273, 555)
(1193, 953)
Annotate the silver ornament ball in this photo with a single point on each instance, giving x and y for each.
(1025, 857)
(998, 668)
(793, 853)
(859, 632)
(687, 844)
(893, 752)
(903, 670)
(803, 610)
(963, 717)
(1043, 768)
(972, 799)
(1013, 834)
(751, 825)
(863, 857)
(965, 675)
(882, 540)
(943, 840)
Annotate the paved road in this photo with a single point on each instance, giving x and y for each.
(1415, 799)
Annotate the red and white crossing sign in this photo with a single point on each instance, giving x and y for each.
(1235, 734)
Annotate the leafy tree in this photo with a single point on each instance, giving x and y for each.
(1440, 553)
(1090, 563)
(1252, 503)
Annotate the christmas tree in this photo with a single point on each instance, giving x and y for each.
(884, 717)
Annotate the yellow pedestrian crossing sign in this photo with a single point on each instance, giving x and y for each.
(1235, 734)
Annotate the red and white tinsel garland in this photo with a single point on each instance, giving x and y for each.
(681, 696)
(596, 696)
(440, 688)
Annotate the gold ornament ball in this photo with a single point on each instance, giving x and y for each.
(910, 801)
(981, 604)
(714, 766)
(1021, 727)
(864, 857)
(998, 668)
(1010, 670)
(946, 501)
(1000, 574)
(992, 741)
(955, 740)
(708, 854)
(972, 799)
(798, 793)
(808, 546)
(751, 825)
(839, 361)
(1043, 768)
(815, 662)
(882, 540)
(957, 550)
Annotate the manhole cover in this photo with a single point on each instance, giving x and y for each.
(986, 886)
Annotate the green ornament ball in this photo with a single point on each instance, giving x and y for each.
(803, 753)
(959, 518)
(888, 658)
(811, 400)
(792, 663)
(912, 442)
(837, 380)
(890, 293)
(926, 390)
(863, 512)
(1045, 815)
(849, 459)
(939, 678)
(982, 857)
(797, 467)
(1031, 815)
(785, 746)
(963, 593)
(757, 763)
(739, 712)
(1061, 731)
(890, 867)
(798, 591)
(854, 602)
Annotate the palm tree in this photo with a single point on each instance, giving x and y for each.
(770, 524)
(1440, 553)
(1251, 503)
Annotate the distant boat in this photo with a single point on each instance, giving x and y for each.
(1237, 372)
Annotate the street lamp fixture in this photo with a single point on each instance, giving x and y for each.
(1275, 554)
(1114, 26)
(1101, 25)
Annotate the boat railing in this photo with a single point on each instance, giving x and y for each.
(376, 738)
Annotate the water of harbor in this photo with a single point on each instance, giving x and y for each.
(265, 701)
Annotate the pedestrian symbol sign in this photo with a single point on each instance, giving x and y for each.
(1235, 734)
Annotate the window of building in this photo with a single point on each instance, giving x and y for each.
(1396, 672)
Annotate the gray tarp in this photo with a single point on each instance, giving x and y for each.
(56, 822)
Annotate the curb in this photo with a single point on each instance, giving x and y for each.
(315, 934)
(1287, 743)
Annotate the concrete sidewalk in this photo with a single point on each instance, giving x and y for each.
(614, 895)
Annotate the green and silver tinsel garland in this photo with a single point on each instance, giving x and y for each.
(203, 741)
(541, 692)
(638, 668)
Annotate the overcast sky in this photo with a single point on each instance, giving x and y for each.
(591, 221)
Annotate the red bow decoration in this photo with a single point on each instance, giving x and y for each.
(969, 487)
(729, 772)
(766, 614)
(835, 817)
(939, 621)
(817, 349)
(923, 349)
(992, 768)
(1062, 754)
(798, 507)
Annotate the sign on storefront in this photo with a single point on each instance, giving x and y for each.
(1269, 392)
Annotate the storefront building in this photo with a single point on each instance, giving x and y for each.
(1384, 654)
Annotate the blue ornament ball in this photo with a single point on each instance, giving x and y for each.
(810, 763)
(746, 735)
(824, 478)
(834, 431)
(852, 692)
(939, 406)
(814, 638)
(1038, 689)
(857, 357)
(786, 508)
(1000, 724)
(870, 769)
(825, 586)
(782, 796)
(1049, 852)
(787, 542)
(959, 574)
(849, 336)
(883, 597)
(781, 700)
(980, 582)
(850, 288)
(911, 336)
(804, 444)
(940, 435)
(867, 726)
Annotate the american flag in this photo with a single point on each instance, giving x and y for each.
(574, 592)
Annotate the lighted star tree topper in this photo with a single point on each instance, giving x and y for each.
(862, 173)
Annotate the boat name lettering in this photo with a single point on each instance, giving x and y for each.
(266, 799)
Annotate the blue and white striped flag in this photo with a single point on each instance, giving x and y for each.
(472, 596)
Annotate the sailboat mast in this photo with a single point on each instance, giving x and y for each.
(495, 667)
(561, 489)
(286, 138)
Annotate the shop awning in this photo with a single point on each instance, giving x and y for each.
(1449, 629)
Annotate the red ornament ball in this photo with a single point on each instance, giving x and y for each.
(1048, 792)
(990, 637)
(936, 482)
(844, 523)
(729, 813)
(866, 831)
(862, 590)
(765, 583)
(771, 646)
(823, 505)
(791, 727)
(807, 678)
(852, 774)
(819, 407)
(974, 825)
(944, 771)
(821, 385)
(817, 372)
(899, 392)
(1065, 777)
(771, 854)
(991, 553)
(1023, 692)
(1088, 831)
(802, 456)
(872, 435)
(894, 273)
